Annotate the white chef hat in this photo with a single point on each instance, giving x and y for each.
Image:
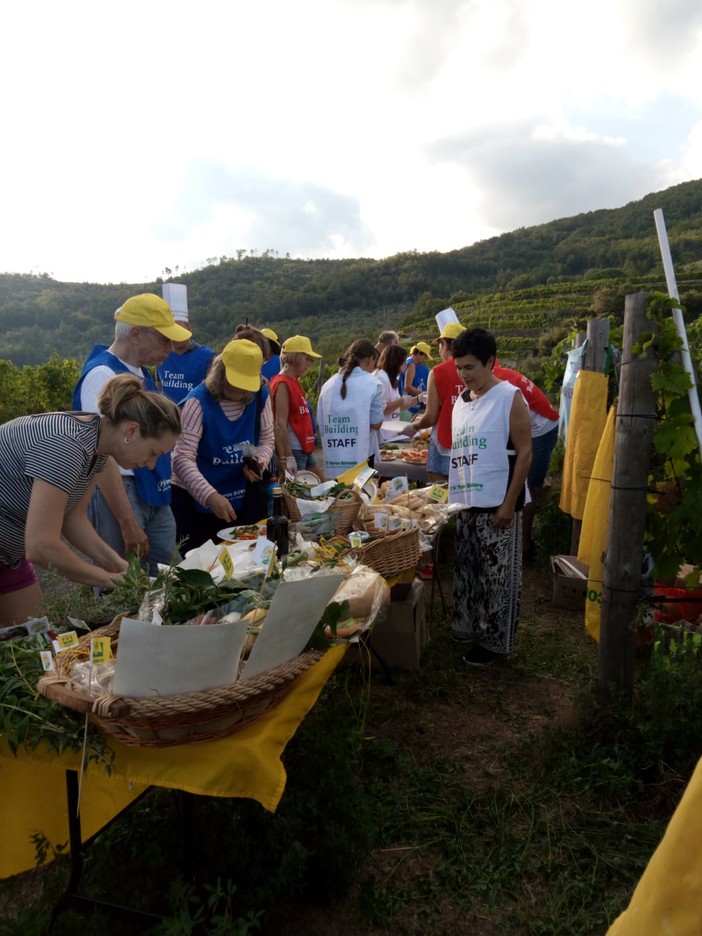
(176, 295)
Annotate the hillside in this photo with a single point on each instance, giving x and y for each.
(532, 278)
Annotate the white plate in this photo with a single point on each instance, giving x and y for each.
(230, 533)
(307, 477)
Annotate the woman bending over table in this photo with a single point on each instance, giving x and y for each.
(49, 466)
(489, 464)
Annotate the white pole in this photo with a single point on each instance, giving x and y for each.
(679, 323)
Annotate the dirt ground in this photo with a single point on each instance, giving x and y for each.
(481, 717)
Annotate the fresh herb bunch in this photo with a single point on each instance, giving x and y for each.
(27, 719)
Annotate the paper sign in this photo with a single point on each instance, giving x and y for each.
(394, 524)
(225, 561)
(264, 552)
(293, 615)
(438, 494)
(363, 476)
(64, 641)
(47, 661)
(100, 650)
(396, 487)
(380, 521)
(356, 540)
(161, 661)
(348, 477)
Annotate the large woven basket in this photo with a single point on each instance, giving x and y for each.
(391, 554)
(344, 508)
(177, 719)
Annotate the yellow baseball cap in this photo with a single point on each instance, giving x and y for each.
(298, 344)
(452, 330)
(269, 333)
(423, 348)
(150, 311)
(242, 361)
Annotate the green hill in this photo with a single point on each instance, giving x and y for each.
(530, 286)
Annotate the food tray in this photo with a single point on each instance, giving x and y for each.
(177, 719)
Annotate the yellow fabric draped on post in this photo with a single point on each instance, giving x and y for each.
(667, 897)
(593, 535)
(588, 414)
(246, 764)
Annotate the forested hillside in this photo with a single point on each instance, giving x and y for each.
(530, 285)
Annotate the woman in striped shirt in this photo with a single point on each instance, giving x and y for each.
(49, 466)
(227, 442)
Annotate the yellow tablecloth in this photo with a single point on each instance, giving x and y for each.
(668, 898)
(247, 764)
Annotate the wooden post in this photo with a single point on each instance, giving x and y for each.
(635, 424)
(594, 359)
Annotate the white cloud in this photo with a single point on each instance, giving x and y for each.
(154, 134)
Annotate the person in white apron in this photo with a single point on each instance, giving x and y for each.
(488, 468)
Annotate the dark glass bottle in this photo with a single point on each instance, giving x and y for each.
(277, 525)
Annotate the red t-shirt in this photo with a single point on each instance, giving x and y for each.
(536, 398)
(449, 386)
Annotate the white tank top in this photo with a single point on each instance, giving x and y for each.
(479, 462)
(344, 425)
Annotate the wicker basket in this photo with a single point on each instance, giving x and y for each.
(344, 509)
(178, 719)
(391, 554)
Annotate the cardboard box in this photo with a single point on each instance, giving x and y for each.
(401, 637)
(569, 582)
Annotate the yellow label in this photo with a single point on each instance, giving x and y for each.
(100, 650)
(438, 494)
(226, 562)
(348, 477)
(65, 641)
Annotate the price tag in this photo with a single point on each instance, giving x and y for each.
(363, 476)
(355, 540)
(394, 524)
(380, 521)
(348, 477)
(47, 661)
(225, 561)
(397, 486)
(64, 641)
(438, 494)
(264, 552)
(100, 650)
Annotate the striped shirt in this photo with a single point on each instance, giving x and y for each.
(52, 447)
(185, 471)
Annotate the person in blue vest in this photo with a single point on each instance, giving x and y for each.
(416, 375)
(226, 444)
(188, 363)
(130, 508)
(271, 367)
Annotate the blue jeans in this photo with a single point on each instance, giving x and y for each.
(157, 522)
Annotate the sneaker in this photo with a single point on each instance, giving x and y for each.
(481, 656)
(460, 639)
(426, 571)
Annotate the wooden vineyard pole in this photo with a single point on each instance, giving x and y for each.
(635, 424)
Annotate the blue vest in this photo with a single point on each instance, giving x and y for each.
(271, 367)
(180, 373)
(421, 376)
(153, 484)
(224, 443)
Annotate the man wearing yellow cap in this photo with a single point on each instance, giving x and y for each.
(131, 508)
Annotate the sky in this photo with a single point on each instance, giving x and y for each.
(149, 136)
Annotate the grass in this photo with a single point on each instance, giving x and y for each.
(492, 803)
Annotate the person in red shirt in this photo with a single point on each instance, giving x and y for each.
(544, 435)
(294, 428)
(444, 386)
